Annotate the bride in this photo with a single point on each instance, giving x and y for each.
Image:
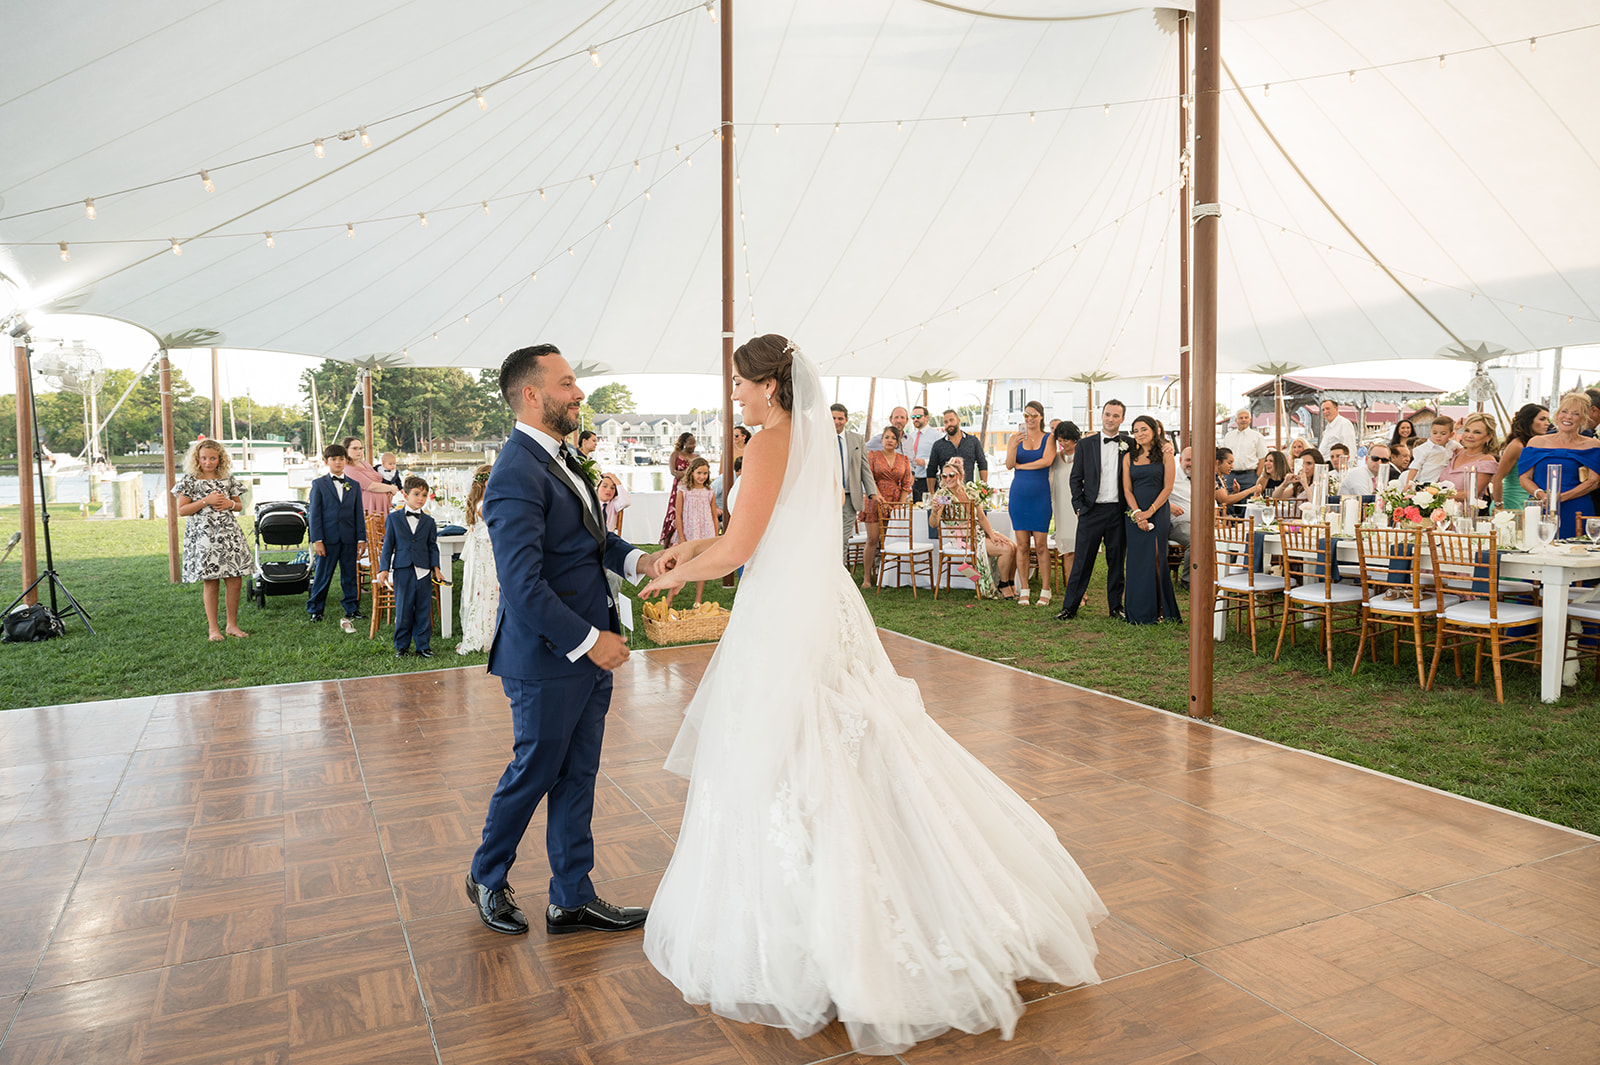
(841, 856)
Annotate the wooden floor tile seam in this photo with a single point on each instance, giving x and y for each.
(1244, 736)
(1291, 1015)
(394, 890)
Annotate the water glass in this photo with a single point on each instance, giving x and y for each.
(1547, 532)
(1591, 526)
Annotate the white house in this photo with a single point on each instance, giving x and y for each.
(660, 430)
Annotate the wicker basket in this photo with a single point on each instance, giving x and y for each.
(701, 629)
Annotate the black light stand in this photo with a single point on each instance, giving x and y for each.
(49, 573)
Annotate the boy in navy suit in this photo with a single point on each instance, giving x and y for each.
(410, 552)
(338, 531)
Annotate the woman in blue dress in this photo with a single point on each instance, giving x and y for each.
(1577, 455)
(1147, 475)
(1030, 499)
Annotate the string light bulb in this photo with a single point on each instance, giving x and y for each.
(1441, 62)
(677, 149)
(483, 105)
(1031, 116)
(1352, 77)
(570, 251)
(897, 126)
(594, 55)
(88, 208)
(349, 229)
(466, 319)
(711, 9)
(608, 223)
(534, 276)
(436, 336)
(1107, 109)
(205, 179)
(836, 125)
(366, 141)
(65, 255)
(776, 129)
(1533, 44)
(270, 242)
(592, 182)
(501, 297)
(636, 166)
(177, 249)
(1266, 89)
(316, 146)
(485, 206)
(422, 216)
(541, 194)
(647, 194)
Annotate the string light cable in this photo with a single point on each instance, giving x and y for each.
(470, 95)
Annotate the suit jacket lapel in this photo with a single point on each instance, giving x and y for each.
(590, 522)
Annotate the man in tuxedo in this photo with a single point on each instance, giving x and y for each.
(1097, 499)
(557, 639)
(854, 478)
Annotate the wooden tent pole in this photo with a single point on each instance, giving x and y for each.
(216, 398)
(169, 446)
(872, 397)
(1185, 198)
(366, 405)
(1206, 215)
(25, 459)
(725, 135)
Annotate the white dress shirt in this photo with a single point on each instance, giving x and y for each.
(630, 568)
(1248, 446)
(1179, 496)
(1110, 469)
(1430, 460)
(1339, 431)
(1358, 481)
(412, 519)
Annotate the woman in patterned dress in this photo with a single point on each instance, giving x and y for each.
(214, 549)
(480, 583)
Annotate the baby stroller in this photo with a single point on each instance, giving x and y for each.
(282, 525)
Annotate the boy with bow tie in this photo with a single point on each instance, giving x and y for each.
(338, 531)
(410, 551)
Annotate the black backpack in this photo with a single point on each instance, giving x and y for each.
(26, 624)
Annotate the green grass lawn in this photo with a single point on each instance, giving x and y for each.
(1525, 756)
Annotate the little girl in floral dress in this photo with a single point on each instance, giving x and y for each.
(480, 584)
(695, 508)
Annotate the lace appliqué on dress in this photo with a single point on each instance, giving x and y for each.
(787, 833)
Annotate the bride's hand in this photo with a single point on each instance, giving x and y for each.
(666, 583)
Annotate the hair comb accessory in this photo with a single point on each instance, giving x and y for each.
(480, 478)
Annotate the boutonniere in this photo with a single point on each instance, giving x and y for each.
(1122, 445)
(591, 469)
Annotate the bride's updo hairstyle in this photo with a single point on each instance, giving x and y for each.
(768, 358)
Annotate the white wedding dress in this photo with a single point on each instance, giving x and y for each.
(841, 855)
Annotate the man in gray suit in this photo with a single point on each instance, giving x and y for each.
(854, 478)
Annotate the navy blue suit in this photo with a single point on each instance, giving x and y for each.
(1098, 523)
(341, 527)
(551, 554)
(404, 550)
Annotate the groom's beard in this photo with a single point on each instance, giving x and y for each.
(559, 421)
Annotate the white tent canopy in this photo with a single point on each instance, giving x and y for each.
(921, 188)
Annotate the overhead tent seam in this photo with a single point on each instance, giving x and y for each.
(1043, 156)
(1423, 117)
(522, 283)
(569, 237)
(454, 100)
(1425, 280)
(1104, 227)
(468, 95)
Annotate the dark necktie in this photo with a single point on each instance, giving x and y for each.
(570, 457)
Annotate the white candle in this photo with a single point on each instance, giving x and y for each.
(1530, 525)
(1349, 514)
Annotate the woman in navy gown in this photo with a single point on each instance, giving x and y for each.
(1576, 454)
(1147, 474)
(1030, 499)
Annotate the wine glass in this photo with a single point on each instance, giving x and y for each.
(1591, 526)
(1546, 532)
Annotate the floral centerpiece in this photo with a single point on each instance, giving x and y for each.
(981, 492)
(1419, 504)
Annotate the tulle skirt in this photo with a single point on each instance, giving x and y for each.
(842, 857)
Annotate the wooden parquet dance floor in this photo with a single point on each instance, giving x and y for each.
(274, 875)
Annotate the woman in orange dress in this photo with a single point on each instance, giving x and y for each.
(891, 473)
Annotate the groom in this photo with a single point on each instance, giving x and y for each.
(1096, 482)
(556, 642)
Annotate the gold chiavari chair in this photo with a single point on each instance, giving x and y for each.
(1308, 564)
(899, 547)
(1469, 564)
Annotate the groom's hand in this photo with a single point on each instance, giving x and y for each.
(609, 651)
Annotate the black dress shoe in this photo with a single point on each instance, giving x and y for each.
(1118, 615)
(1067, 613)
(316, 617)
(596, 914)
(404, 652)
(357, 616)
(497, 909)
(424, 654)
